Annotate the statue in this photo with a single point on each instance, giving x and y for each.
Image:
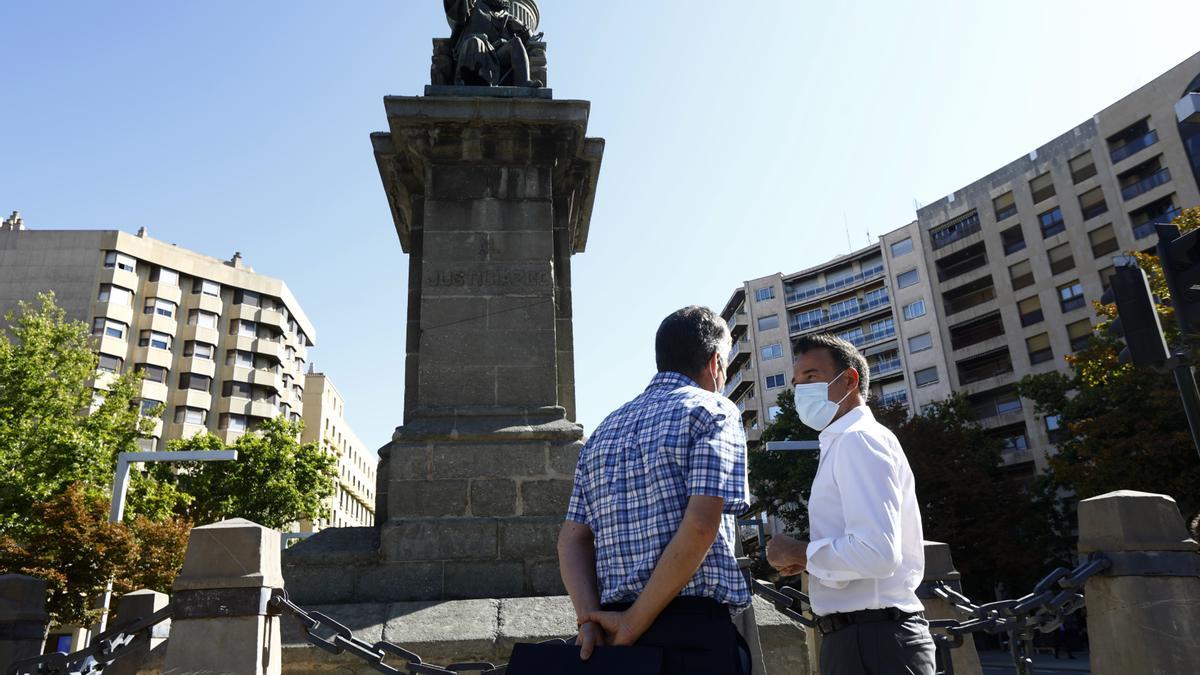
(490, 44)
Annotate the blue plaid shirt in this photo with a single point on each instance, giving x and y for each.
(634, 478)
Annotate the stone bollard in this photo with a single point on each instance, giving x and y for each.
(220, 622)
(1144, 612)
(939, 566)
(23, 618)
(131, 607)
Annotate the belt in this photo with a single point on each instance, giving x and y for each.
(834, 622)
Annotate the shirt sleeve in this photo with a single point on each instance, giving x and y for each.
(868, 479)
(577, 507)
(716, 463)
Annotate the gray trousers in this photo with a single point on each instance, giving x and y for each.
(879, 648)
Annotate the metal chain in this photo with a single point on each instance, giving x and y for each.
(342, 641)
(93, 659)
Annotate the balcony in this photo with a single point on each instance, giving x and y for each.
(992, 364)
(1146, 228)
(739, 384)
(886, 368)
(1134, 146)
(961, 262)
(1160, 177)
(969, 295)
(976, 331)
(949, 234)
(828, 317)
(792, 297)
(894, 398)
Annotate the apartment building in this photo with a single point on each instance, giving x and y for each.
(848, 296)
(996, 280)
(222, 347)
(353, 502)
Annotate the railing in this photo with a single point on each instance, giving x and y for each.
(882, 368)
(799, 296)
(894, 398)
(1146, 184)
(1145, 229)
(1134, 146)
(732, 384)
(959, 230)
(996, 408)
(834, 317)
(966, 301)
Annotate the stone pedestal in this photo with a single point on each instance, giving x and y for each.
(131, 607)
(939, 566)
(23, 618)
(1144, 613)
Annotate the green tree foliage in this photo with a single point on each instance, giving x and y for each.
(1123, 427)
(276, 480)
(782, 481)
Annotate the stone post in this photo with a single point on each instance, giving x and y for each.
(939, 566)
(1144, 612)
(131, 607)
(23, 618)
(220, 622)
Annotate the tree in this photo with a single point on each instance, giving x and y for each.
(276, 480)
(782, 481)
(1121, 427)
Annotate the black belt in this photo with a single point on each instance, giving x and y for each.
(835, 622)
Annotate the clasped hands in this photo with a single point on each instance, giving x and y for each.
(788, 556)
(615, 629)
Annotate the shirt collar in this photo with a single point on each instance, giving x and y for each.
(843, 423)
(671, 380)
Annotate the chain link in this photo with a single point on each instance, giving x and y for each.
(93, 659)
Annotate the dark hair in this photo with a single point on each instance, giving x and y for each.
(844, 355)
(687, 339)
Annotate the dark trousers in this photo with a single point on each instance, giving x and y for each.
(890, 647)
(697, 637)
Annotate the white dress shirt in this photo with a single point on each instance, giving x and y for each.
(867, 549)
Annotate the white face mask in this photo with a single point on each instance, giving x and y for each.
(813, 404)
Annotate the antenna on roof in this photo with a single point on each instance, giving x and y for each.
(846, 223)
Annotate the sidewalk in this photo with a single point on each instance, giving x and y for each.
(997, 663)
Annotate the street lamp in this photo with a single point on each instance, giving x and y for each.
(793, 446)
(121, 487)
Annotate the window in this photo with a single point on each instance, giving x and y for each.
(844, 308)
(1039, 348)
(1061, 259)
(775, 381)
(1042, 188)
(1092, 203)
(1013, 239)
(199, 350)
(764, 294)
(906, 279)
(1070, 296)
(1010, 403)
(1103, 240)
(1080, 334)
(1106, 276)
(120, 261)
(153, 373)
(186, 415)
(768, 322)
(148, 405)
(1005, 206)
(876, 297)
(774, 351)
(238, 389)
(1053, 423)
(239, 359)
(155, 339)
(206, 287)
(160, 307)
(231, 422)
(882, 328)
(164, 276)
(195, 382)
(110, 364)
(1021, 274)
(914, 310)
(115, 295)
(250, 298)
(773, 413)
(1030, 310)
(919, 343)
(106, 327)
(1083, 167)
(243, 328)
(926, 376)
(1052, 222)
(961, 227)
(902, 247)
(201, 318)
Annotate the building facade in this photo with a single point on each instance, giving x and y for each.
(996, 281)
(353, 502)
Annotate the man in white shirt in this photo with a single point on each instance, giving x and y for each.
(866, 557)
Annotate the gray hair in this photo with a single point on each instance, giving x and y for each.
(844, 354)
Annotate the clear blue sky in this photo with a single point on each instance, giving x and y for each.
(226, 126)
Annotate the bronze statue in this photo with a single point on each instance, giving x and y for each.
(490, 44)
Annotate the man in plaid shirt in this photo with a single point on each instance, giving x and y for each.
(647, 549)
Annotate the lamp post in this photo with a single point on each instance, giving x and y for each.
(121, 487)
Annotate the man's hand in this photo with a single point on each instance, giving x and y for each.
(621, 629)
(787, 555)
(591, 635)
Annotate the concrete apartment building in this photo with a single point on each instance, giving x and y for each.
(353, 503)
(223, 347)
(996, 280)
